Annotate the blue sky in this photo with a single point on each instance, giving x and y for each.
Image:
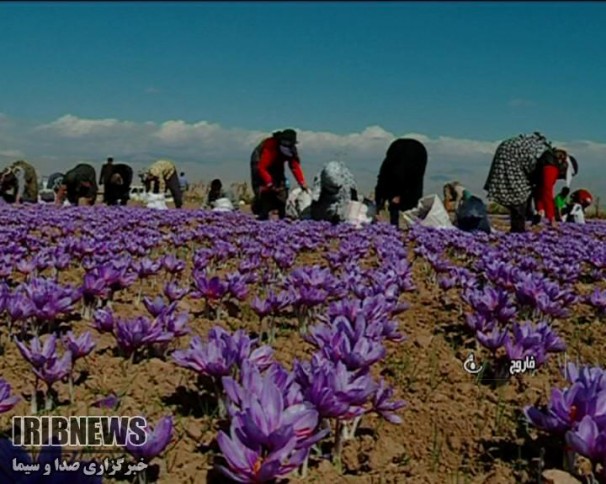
(478, 72)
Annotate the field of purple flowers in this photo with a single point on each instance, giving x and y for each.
(305, 351)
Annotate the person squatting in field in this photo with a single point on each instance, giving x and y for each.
(79, 182)
(580, 200)
(560, 202)
(117, 185)
(333, 188)
(19, 183)
(400, 180)
(528, 166)
(267, 173)
(160, 176)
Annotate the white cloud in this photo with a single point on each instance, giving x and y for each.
(11, 154)
(70, 126)
(152, 90)
(204, 149)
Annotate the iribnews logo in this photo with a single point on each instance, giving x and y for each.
(91, 431)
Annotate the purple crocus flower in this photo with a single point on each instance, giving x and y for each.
(266, 420)
(243, 345)
(587, 440)
(551, 342)
(49, 298)
(93, 286)
(252, 382)
(79, 346)
(346, 343)
(250, 465)
(173, 292)
(19, 307)
(175, 324)
(25, 266)
(598, 300)
(280, 301)
(262, 307)
(236, 286)
(564, 409)
(146, 267)
(6, 400)
(172, 264)
(38, 354)
(103, 321)
(335, 391)
(269, 437)
(4, 296)
(383, 406)
(157, 440)
(136, 333)
(111, 402)
(211, 289)
(55, 369)
(493, 340)
(446, 283)
(156, 306)
(590, 377)
(215, 358)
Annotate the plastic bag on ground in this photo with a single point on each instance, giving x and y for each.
(156, 201)
(576, 215)
(359, 214)
(222, 205)
(471, 216)
(298, 204)
(430, 212)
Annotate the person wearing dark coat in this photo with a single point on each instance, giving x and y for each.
(117, 186)
(106, 173)
(400, 181)
(79, 182)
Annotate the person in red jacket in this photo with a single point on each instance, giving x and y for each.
(267, 173)
(555, 166)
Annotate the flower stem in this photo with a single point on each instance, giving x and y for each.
(271, 331)
(48, 399)
(222, 409)
(71, 385)
(338, 448)
(354, 427)
(305, 467)
(139, 292)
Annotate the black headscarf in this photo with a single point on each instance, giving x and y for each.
(402, 173)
